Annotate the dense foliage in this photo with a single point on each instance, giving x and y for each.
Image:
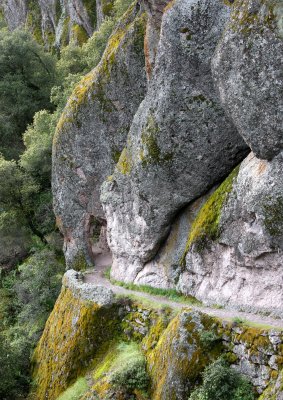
(27, 74)
(34, 88)
(27, 296)
(221, 382)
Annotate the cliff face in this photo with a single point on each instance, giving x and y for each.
(92, 133)
(90, 338)
(56, 22)
(213, 100)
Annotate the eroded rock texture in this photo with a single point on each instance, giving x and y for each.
(92, 133)
(235, 253)
(180, 142)
(249, 75)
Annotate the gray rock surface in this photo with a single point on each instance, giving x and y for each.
(92, 133)
(180, 143)
(248, 70)
(87, 291)
(243, 267)
(164, 270)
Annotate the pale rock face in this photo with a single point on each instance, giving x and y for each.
(244, 267)
(92, 133)
(248, 71)
(164, 269)
(180, 143)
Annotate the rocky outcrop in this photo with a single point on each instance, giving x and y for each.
(235, 256)
(248, 71)
(180, 143)
(91, 341)
(56, 22)
(92, 133)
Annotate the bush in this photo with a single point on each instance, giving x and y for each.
(220, 382)
(132, 376)
(209, 339)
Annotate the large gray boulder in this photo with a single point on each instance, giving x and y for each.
(235, 247)
(180, 143)
(92, 133)
(248, 70)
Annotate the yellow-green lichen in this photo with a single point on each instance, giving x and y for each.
(273, 215)
(246, 19)
(93, 85)
(74, 333)
(206, 225)
(179, 351)
(150, 152)
(78, 34)
(124, 164)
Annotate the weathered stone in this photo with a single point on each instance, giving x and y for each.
(180, 143)
(242, 268)
(87, 291)
(92, 133)
(248, 71)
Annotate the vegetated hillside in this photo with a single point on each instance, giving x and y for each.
(166, 125)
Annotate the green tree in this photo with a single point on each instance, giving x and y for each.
(27, 75)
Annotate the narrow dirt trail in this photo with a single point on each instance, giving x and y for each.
(97, 277)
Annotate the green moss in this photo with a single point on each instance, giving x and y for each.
(186, 359)
(115, 155)
(74, 333)
(78, 389)
(247, 20)
(273, 215)
(79, 34)
(206, 225)
(151, 153)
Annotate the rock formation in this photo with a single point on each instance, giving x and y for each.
(214, 94)
(92, 133)
(180, 143)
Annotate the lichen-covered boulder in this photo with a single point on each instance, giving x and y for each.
(92, 133)
(234, 250)
(180, 356)
(248, 70)
(73, 335)
(180, 143)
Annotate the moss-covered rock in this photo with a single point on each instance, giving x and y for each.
(73, 335)
(176, 363)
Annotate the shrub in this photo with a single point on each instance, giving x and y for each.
(132, 375)
(209, 339)
(220, 382)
